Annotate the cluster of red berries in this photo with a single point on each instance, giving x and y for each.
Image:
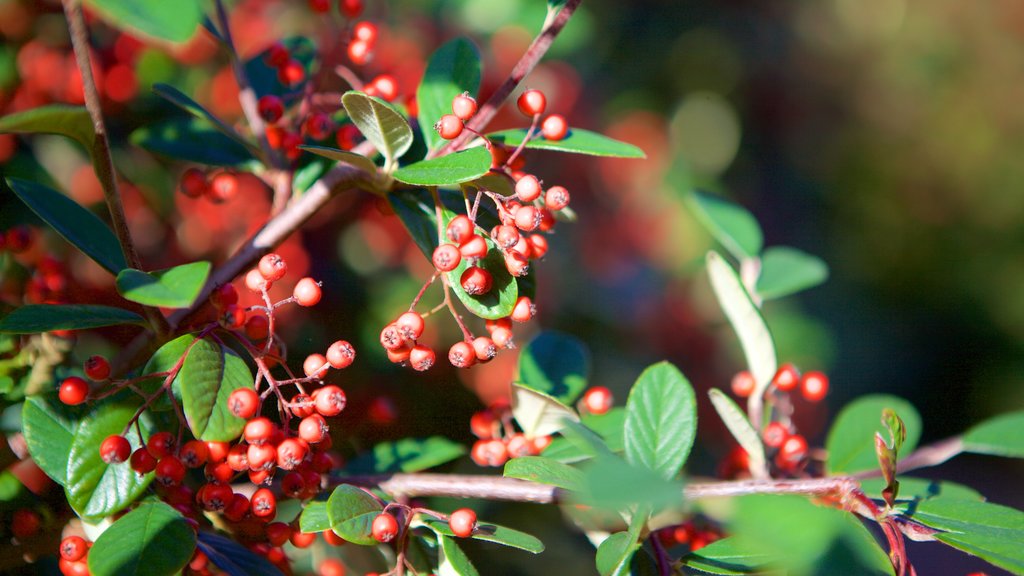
(290, 71)
(350, 8)
(532, 103)
(498, 439)
(74, 390)
(74, 552)
(218, 188)
(385, 526)
(688, 533)
(813, 384)
(362, 42)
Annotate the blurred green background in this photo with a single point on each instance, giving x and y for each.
(885, 136)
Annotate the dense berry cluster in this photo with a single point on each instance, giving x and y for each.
(498, 438)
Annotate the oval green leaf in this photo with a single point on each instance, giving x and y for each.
(209, 376)
(33, 318)
(77, 225)
(175, 21)
(986, 530)
(183, 101)
(453, 68)
(49, 429)
(786, 271)
(661, 420)
(544, 471)
(175, 287)
(739, 426)
(193, 140)
(447, 170)
(95, 488)
(152, 540)
(556, 364)
(71, 121)
(314, 517)
(452, 561)
(351, 512)
(999, 436)
(351, 158)
(578, 141)
(491, 533)
(851, 441)
(729, 223)
(382, 125)
(407, 455)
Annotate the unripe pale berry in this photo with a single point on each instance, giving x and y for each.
(464, 106)
(532, 102)
(554, 127)
(315, 365)
(528, 188)
(272, 267)
(743, 384)
(307, 292)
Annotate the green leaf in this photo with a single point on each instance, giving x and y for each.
(183, 101)
(999, 436)
(351, 158)
(154, 539)
(71, 121)
(734, 228)
(233, 558)
(453, 68)
(786, 271)
(193, 140)
(164, 360)
(920, 489)
(539, 414)
(452, 561)
(77, 225)
(448, 170)
(314, 517)
(728, 556)
(382, 125)
(95, 488)
(746, 320)
(491, 533)
(406, 455)
(739, 426)
(175, 21)
(176, 287)
(793, 529)
(49, 428)
(556, 364)
(615, 553)
(544, 471)
(611, 482)
(986, 530)
(209, 376)
(606, 429)
(851, 441)
(578, 141)
(351, 512)
(661, 420)
(33, 318)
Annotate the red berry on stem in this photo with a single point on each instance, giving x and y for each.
(270, 108)
(142, 461)
(223, 296)
(538, 245)
(446, 257)
(792, 452)
(464, 106)
(193, 183)
(391, 338)
(255, 281)
(272, 267)
(474, 247)
(278, 55)
(303, 539)
(383, 86)
(351, 8)
(25, 523)
(384, 527)
(115, 449)
(278, 533)
(291, 452)
(527, 218)
(315, 365)
(313, 428)
(556, 198)
(461, 355)
(774, 435)
(410, 325)
(743, 384)
(169, 471)
(554, 127)
(365, 32)
(484, 348)
(223, 187)
(449, 126)
(814, 386)
(341, 354)
(73, 548)
(460, 229)
(505, 236)
(532, 102)
(258, 431)
(319, 6)
(292, 73)
(360, 52)
(263, 503)
(421, 358)
(523, 310)
(73, 390)
(257, 327)
(244, 402)
(598, 400)
(462, 522)
(307, 292)
(161, 444)
(330, 400)
(528, 188)
(476, 281)
(194, 453)
(786, 378)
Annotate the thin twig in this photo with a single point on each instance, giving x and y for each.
(533, 54)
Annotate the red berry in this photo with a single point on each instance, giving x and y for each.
(538, 245)
(73, 548)
(25, 523)
(527, 218)
(79, 568)
(528, 188)
(237, 508)
(194, 453)
(73, 390)
(223, 187)
(258, 431)
(532, 102)
(115, 449)
(232, 317)
(743, 384)
(255, 281)
(330, 400)
(474, 247)
(263, 503)
(410, 325)
(291, 452)
(554, 127)
(293, 485)
(302, 539)
(556, 198)
(484, 348)
(360, 52)
(292, 73)
(476, 281)
(193, 183)
(257, 327)
(244, 402)
(449, 126)
(524, 310)
(461, 355)
(505, 236)
(502, 337)
(341, 354)
(215, 497)
(383, 86)
(462, 522)
(238, 459)
(598, 400)
(217, 451)
(315, 365)
(278, 533)
(331, 566)
(270, 108)
(161, 444)
(421, 358)
(489, 453)
(446, 257)
(142, 461)
(278, 55)
(786, 378)
(384, 527)
(516, 264)
(460, 229)
(814, 386)
(313, 428)
(464, 106)
(169, 471)
(792, 452)
(318, 126)
(391, 338)
(307, 292)
(272, 267)
(334, 540)
(365, 32)
(482, 424)
(774, 435)
(400, 355)
(322, 7)
(351, 8)
(223, 296)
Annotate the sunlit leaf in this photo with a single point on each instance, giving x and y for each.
(176, 287)
(453, 68)
(152, 540)
(33, 318)
(661, 420)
